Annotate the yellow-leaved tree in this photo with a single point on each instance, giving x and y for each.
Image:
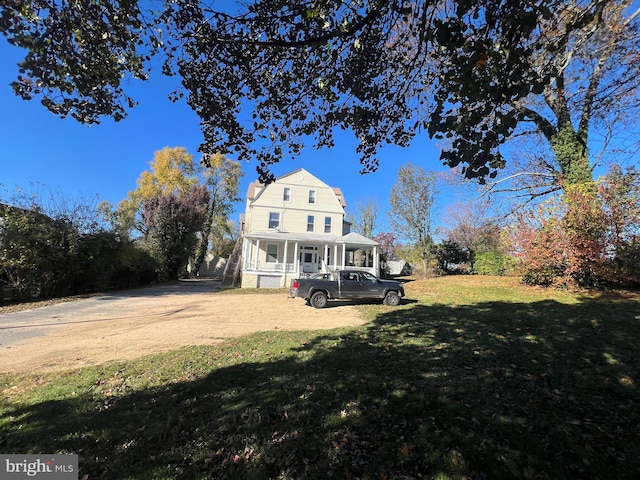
(173, 171)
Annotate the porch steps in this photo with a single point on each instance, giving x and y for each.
(233, 269)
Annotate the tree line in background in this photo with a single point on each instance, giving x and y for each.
(178, 213)
(589, 236)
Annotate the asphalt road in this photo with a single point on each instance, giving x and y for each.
(19, 326)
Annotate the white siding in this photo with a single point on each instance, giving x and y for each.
(294, 213)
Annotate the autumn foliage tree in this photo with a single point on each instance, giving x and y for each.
(585, 116)
(172, 221)
(473, 229)
(588, 237)
(173, 170)
(411, 210)
(562, 241)
(620, 194)
(388, 243)
(387, 248)
(221, 176)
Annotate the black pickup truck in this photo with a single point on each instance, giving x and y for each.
(346, 284)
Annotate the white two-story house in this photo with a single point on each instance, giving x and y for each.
(296, 226)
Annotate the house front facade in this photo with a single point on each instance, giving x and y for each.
(296, 227)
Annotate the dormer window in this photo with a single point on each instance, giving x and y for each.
(312, 196)
(286, 194)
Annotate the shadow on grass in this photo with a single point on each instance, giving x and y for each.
(362, 301)
(492, 390)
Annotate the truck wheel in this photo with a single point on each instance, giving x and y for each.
(392, 299)
(319, 300)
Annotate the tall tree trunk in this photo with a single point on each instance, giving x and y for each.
(572, 155)
(201, 250)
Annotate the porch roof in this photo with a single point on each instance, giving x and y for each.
(357, 239)
(351, 239)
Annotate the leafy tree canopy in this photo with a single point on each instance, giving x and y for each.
(172, 222)
(364, 216)
(172, 171)
(411, 208)
(268, 76)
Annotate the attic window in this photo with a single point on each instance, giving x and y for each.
(286, 194)
(312, 196)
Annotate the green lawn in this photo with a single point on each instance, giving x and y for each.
(472, 377)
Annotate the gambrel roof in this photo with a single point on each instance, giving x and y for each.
(255, 188)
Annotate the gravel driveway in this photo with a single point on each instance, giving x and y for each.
(134, 323)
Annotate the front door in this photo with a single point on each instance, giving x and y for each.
(309, 259)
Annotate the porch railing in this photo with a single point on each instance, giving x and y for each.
(270, 266)
(278, 267)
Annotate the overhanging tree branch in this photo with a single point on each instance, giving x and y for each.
(343, 32)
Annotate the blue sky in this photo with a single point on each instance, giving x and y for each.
(105, 160)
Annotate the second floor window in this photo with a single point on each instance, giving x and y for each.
(310, 222)
(327, 224)
(312, 196)
(286, 194)
(274, 219)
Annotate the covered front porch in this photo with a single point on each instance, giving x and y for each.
(271, 260)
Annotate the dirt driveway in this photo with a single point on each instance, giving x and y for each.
(132, 324)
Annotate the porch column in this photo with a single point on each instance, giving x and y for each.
(335, 256)
(247, 253)
(296, 259)
(257, 262)
(286, 247)
(326, 254)
(376, 262)
(344, 255)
